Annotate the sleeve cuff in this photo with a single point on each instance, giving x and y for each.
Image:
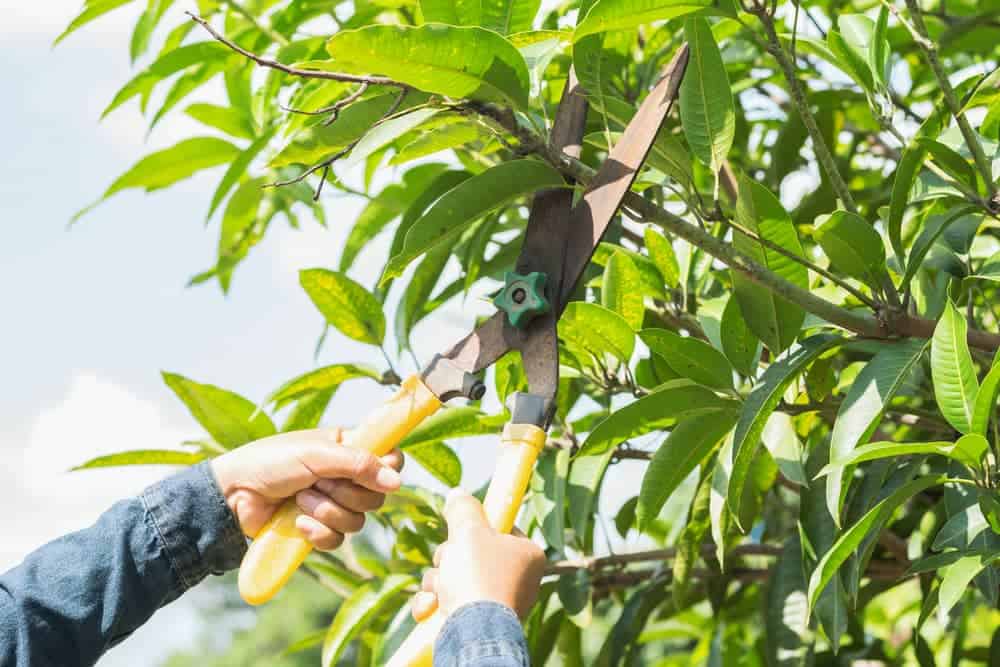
(482, 633)
(199, 533)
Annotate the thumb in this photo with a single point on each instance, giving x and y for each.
(462, 511)
(362, 468)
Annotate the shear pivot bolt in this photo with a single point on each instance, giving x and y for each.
(523, 297)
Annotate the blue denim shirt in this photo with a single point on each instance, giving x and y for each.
(76, 597)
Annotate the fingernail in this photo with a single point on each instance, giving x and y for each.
(388, 478)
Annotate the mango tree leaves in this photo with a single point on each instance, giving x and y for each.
(761, 403)
(869, 524)
(468, 201)
(321, 379)
(690, 357)
(853, 247)
(345, 304)
(357, 611)
(509, 16)
(170, 165)
(706, 100)
(594, 330)
(385, 132)
(237, 168)
(986, 398)
(967, 452)
(957, 577)
(662, 253)
(789, 634)
(955, 383)
(738, 343)
(862, 409)
(427, 57)
(621, 289)
(548, 496)
(92, 10)
(773, 319)
(438, 459)
(608, 15)
(136, 457)
(690, 442)
(660, 409)
(649, 275)
(228, 417)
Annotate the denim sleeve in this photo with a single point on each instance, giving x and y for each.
(76, 597)
(482, 634)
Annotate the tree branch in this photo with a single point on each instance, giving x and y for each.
(294, 71)
(242, 11)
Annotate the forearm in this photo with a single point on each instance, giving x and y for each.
(77, 596)
(482, 634)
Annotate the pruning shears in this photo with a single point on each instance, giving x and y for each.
(559, 242)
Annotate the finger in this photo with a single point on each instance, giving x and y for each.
(423, 605)
(394, 460)
(354, 464)
(463, 512)
(329, 513)
(319, 536)
(429, 582)
(348, 494)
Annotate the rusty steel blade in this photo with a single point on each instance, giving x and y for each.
(562, 243)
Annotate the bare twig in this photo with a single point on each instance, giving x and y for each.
(242, 11)
(295, 71)
(334, 109)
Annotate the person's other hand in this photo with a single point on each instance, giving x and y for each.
(333, 485)
(479, 564)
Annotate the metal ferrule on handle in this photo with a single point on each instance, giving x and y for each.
(279, 548)
(519, 448)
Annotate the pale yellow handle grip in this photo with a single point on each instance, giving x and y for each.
(519, 449)
(279, 548)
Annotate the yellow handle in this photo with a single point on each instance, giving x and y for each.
(520, 445)
(279, 548)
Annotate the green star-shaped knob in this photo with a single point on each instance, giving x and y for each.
(523, 297)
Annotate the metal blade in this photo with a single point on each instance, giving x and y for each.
(590, 218)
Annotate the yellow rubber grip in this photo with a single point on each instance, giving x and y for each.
(520, 445)
(279, 548)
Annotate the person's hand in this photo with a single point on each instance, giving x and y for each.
(479, 564)
(333, 485)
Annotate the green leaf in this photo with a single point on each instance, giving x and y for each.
(986, 398)
(384, 133)
(595, 330)
(228, 417)
(608, 15)
(869, 524)
(960, 530)
(690, 442)
(773, 319)
(853, 247)
(548, 496)
(238, 231)
(308, 411)
(738, 343)
(955, 383)
(652, 281)
(782, 442)
(345, 304)
(417, 293)
(357, 611)
(453, 12)
(658, 410)
(509, 16)
(662, 253)
(459, 422)
(621, 289)
(706, 99)
(170, 165)
(957, 577)
(321, 379)
(438, 459)
(145, 26)
(426, 57)
(852, 57)
(138, 457)
(862, 409)
(950, 161)
(690, 357)
(92, 10)
(906, 175)
(934, 226)
(225, 119)
(168, 64)
(761, 403)
(451, 135)
(467, 202)
(237, 168)
(879, 52)
(786, 621)
(690, 540)
(893, 450)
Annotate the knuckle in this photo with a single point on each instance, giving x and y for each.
(364, 465)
